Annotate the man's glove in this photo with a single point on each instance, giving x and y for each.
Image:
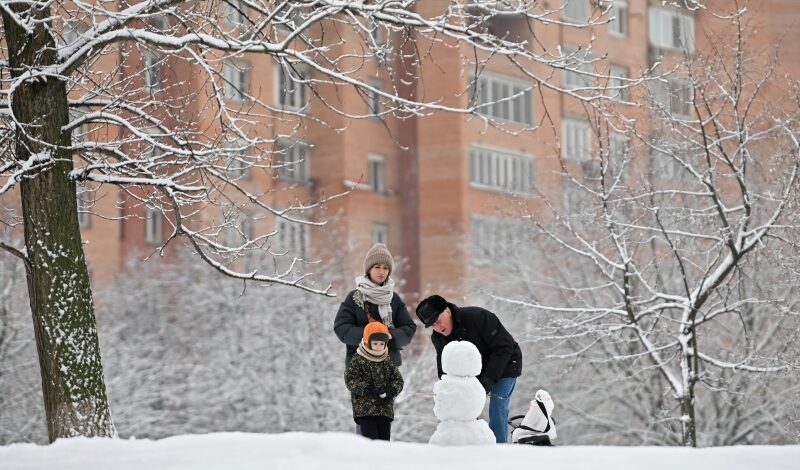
(486, 382)
(371, 391)
(385, 397)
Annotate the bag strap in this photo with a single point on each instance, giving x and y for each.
(528, 428)
(370, 317)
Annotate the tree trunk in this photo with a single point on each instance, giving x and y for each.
(58, 280)
(689, 438)
(689, 429)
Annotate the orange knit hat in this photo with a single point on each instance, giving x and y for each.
(376, 331)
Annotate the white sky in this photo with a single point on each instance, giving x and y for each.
(331, 451)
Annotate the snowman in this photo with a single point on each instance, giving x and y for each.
(459, 398)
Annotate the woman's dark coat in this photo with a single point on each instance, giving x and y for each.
(351, 319)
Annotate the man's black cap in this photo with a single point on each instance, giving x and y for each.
(429, 309)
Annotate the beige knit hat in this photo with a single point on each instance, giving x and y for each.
(378, 254)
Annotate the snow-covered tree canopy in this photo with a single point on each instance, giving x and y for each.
(167, 100)
(670, 248)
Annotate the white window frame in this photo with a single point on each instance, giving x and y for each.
(501, 170)
(380, 233)
(576, 11)
(616, 74)
(236, 80)
(291, 91)
(618, 18)
(296, 167)
(376, 171)
(662, 30)
(153, 225)
(491, 95)
(292, 237)
(576, 140)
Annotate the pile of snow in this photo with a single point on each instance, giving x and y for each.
(334, 451)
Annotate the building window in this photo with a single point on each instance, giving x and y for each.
(503, 98)
(375, 172)
(71, 32)
(576, 140)
(291, 16)
(491, 238)
(238, 230)
(674, 96)
(236, 164)
(374, 103)
(577, 65)
(670, 29)
(235, 79)
(292, 238)
(152, 70)
(293, 160)
(234, 12)
(500, 170)
(291, 87)
(618, 148)
(158, 23)
(152, 225)
(616, 83)
(79, 133)
(380, 233)
(577, 11)
(618, 18)
(84, 200)
(378, 34)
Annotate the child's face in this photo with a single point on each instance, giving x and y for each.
(377, 345)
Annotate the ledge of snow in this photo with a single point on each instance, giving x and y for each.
(330, 451)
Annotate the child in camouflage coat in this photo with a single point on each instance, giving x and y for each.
(374, 381)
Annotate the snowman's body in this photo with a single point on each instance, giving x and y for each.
(459, 398)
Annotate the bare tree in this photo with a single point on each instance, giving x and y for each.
(90, 98)
(20, 411)
(664, 245)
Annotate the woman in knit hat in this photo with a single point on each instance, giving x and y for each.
(374, 299)
(373, 380)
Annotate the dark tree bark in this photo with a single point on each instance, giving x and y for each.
(58, 280)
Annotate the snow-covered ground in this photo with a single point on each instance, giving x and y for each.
(329, 451)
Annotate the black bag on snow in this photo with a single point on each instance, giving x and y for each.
(538, 427)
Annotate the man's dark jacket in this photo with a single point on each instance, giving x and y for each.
(351, 319)
(500, 354)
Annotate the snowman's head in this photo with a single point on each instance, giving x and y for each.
(461, 358)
